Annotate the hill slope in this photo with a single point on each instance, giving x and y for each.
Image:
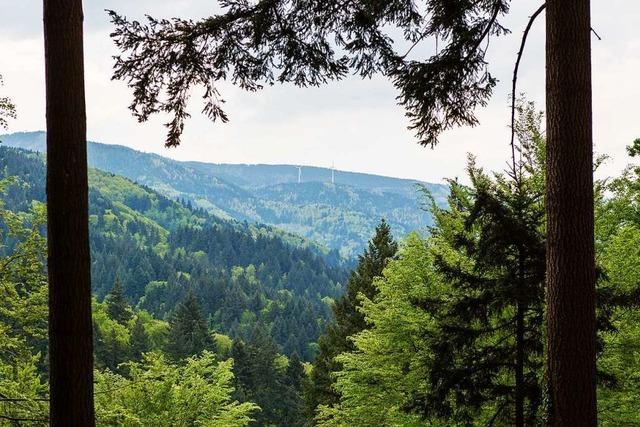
(160, 250)
(340, 216)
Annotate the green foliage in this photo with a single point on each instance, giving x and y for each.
(348, 319)
(188, 330)
(156, 393)
(618, 255)
(7, 109)
(23, 313)
(158, 249)
(270, 380)
(117, 306)
(295, 381)
(377, 379)
(489, 248)
(139, 341)
(447, 338)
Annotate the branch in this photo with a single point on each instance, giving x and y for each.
(487, 30)
(515, 81)
(16, 419)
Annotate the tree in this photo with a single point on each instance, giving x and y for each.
(378, 378)
(157, 393)
(571, 276)
(259, 378)
(489, 248)
(70, 328)
(188, 330)
(348, 319)
(618, 254)
(7, 109)
(117, 306)
(23, 313)
(309, 42)
(294, 382)
(298, 41)
(139, 341)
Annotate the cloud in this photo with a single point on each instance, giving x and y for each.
(354, 123)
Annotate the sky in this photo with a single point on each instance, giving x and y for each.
(354, 124)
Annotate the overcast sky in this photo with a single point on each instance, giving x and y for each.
(355, 124)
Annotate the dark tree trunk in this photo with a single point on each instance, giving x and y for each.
(70, 331)
(571, 320)
(520, 365)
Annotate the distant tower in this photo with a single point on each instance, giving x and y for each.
(333, 173)
(299, 174)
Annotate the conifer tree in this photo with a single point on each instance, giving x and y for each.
(294, 384)
(257, 376)
(489, 247)
(188, 331)
(349, 320)
(117, 306)
(139, 341)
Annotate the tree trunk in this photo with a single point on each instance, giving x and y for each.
(70, 329)
(571, 318)
(520, 365)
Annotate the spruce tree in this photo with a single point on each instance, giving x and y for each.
(117, 306)
(489, 247)
(139, 341)
(294, 385)
(257, 377)
(188, 331)
(348, 318)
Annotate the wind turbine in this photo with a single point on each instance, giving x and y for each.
(299, 174)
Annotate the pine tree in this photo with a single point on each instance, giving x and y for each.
(294, 385)
(489, 247)
(188, 331)
(348, 319)
(139, 341)
(257, 377)
(117, 306)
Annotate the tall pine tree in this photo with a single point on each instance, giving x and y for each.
(489, 247)
(294, 382)
(257, 376)
(139, 341)
(188, 331)
(348, 319)
(117, 306)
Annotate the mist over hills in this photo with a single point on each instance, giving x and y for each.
(339, 215)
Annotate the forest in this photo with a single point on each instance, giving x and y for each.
(432, 329)
(130, 296)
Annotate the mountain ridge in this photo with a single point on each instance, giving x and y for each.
(341, 219)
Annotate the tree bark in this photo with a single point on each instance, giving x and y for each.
(70, 331)
(571, 320)
(520, 365)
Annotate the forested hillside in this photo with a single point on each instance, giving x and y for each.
(160, 251)
(339, 216)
